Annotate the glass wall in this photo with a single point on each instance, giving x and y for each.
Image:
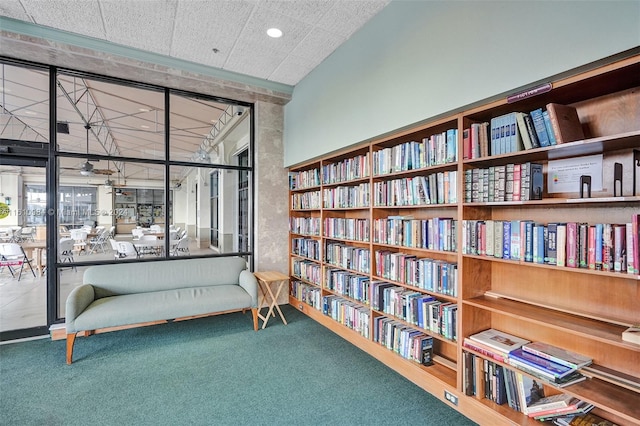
(135, 166)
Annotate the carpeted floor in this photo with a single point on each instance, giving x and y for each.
(211, 371)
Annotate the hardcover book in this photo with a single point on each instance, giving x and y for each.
(499, 340)
(543, 365)
(552, 402)
(565, 123)
(556, 354)
(530, 391)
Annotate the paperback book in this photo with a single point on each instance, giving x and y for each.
(545, 366)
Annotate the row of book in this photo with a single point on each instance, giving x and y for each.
(305, 226)
(306, 270)
(435, 188)
(438, 233)
(344, 197)
(510, 182)
(346, 170)
(422, 310)
(304, 179)
(542, 363)
(347, 228)
(347, 313)
(347, 257)
(600, 246)
(437, 149)
(521, 392)
(306, 201)
(409, 343)
(432, 275)
(348, 284)
(307, 293)
(306, 248)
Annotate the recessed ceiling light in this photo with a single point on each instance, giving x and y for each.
(143, 110)
(274, 32)
(144, 127)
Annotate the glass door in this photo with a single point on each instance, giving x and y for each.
(23, 247)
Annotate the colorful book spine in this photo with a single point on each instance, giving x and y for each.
(572, 244)
(552, 235)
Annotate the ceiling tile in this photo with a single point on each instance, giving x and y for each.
(293, 68)
(13, 9)
(77, 16)
(346, 17)
(307, 11)
(317, 45)
(146, 25)
(255, 61)
(214, 24)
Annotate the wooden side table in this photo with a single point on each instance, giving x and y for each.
(265, 279)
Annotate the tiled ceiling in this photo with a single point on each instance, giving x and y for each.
(192, 29)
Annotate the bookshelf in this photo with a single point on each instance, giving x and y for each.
(373, 218)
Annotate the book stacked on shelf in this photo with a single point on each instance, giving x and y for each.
(435, 188)
(510, 182)
(407, 342)
(306, 201)
(560, 406)
(346, 228)
(347, 313)
(345, 197)
(517, 131)
(441, 148)
(307, 293)
(495, 342)
(305, 226)
(306, 248)
(346, 170)
(348, 284)
(306, 270)
(438, 233)
(544, 369)
(348, 257)
(304, 179)
(601, 246)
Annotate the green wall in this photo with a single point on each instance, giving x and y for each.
(419, 59)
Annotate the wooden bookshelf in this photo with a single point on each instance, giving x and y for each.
(579, 309)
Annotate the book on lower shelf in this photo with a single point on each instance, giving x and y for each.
(499, 340)
(551, 402)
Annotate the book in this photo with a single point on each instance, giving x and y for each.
(538, 124)
(632, 334)
(524, 133)
(529, 391)
(561, 244)
(549, 403)
(577, 407)
(565, 123)
(589, 419)
(499, 340)
(547, 125)
(556, 354)
(545, 366)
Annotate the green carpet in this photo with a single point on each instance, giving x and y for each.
(210, 371)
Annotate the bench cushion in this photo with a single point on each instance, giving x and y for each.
(128, 309)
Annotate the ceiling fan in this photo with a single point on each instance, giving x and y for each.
(87, 169)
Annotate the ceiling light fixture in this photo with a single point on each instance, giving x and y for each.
(274, 32)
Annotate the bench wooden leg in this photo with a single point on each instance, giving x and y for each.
(254, 311)
(71, 338)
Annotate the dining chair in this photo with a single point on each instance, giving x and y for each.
(182, 248)
(11, 255)
(65, 250)
(126, 249)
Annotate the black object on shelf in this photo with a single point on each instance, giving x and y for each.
(585, 181)
(617, 179)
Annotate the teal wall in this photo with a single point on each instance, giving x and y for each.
(419, 59)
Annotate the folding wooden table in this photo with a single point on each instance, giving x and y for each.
(265, 279)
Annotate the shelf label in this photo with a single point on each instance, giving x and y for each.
(544, 88)
(564, 175)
